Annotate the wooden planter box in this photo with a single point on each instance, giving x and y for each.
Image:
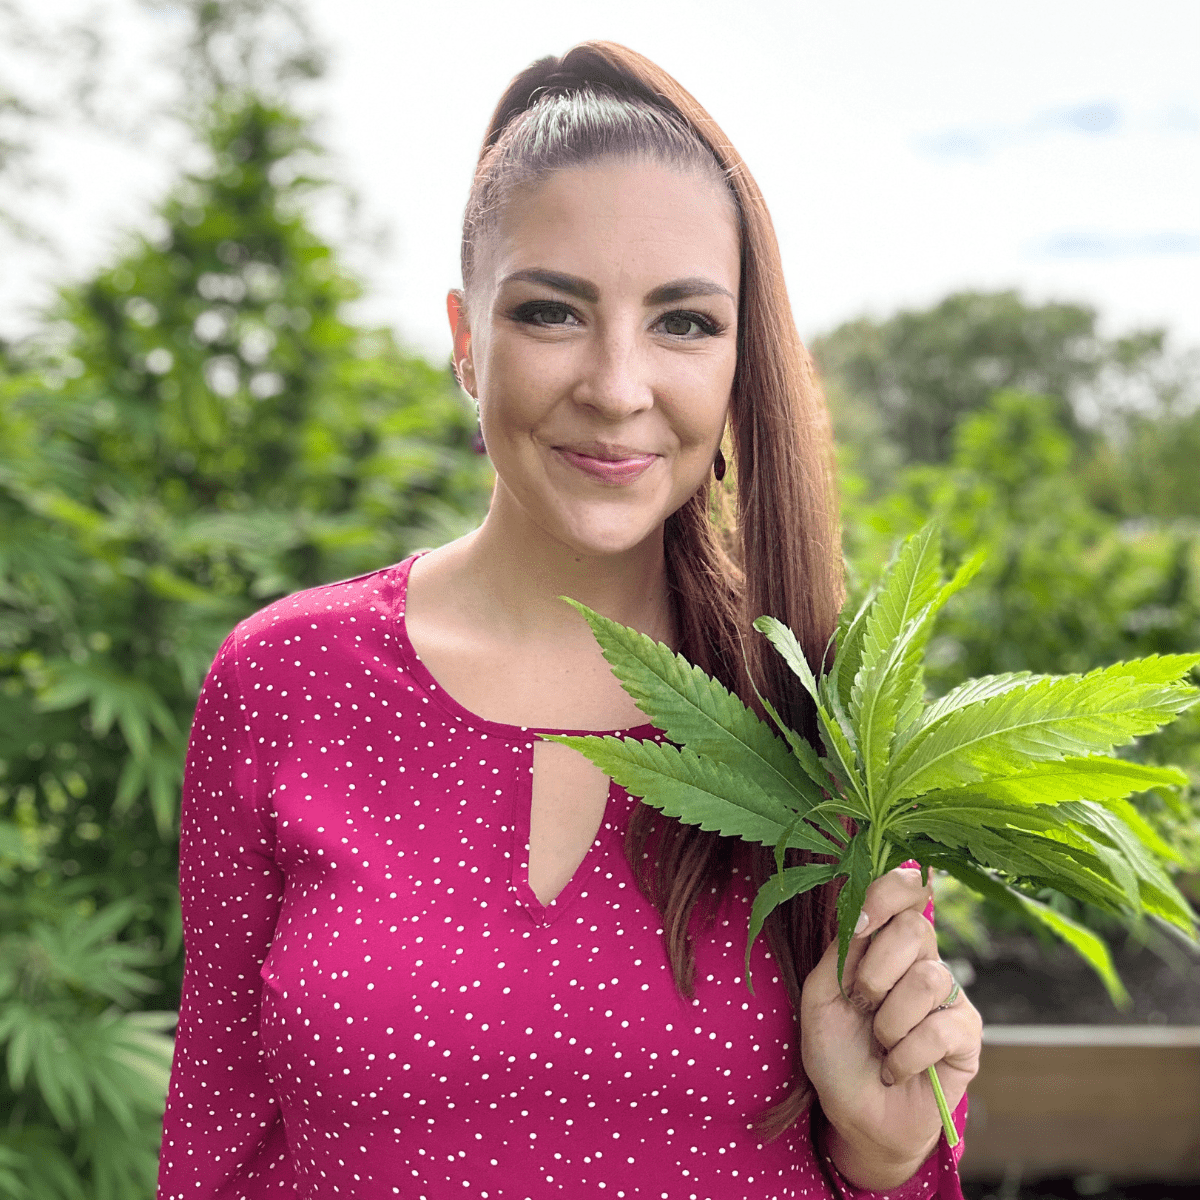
(1054, 1100)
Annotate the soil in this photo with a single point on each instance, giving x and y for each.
(1023, 982)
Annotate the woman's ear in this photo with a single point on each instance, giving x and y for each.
(460, 330)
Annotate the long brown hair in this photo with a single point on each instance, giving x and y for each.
(779, 551)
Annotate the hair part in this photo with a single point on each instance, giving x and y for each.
(764, 541)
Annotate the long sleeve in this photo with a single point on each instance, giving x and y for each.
(223, 1135)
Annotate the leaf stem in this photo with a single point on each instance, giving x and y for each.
(878, 847)
(943, 1108)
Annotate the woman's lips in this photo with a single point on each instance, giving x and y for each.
(610, 470)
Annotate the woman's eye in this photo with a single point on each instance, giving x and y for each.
(684, 324)
(542, 313)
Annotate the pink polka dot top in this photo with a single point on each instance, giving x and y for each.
(376, 1005)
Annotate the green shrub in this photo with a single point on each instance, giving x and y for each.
(198, 431)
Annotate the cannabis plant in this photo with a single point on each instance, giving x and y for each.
(1008, 782)
(85, 1078)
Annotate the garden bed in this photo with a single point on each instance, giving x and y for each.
(1075, 1097)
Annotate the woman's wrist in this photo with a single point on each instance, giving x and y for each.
(863, 1163)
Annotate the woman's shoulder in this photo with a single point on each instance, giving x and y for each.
(362, 605)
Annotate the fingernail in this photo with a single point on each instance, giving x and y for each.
(861, 924)
(886, 1077)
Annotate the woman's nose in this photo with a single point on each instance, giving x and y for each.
(614, 376)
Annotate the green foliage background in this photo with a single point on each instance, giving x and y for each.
(198, 431)
(200, 428)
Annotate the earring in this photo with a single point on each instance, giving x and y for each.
(719, 465)
(477, 441)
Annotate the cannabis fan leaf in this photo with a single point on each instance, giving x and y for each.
(1008, 782)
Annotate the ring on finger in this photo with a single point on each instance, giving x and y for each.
(955, 992)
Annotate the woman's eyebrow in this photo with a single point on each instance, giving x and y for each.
(581, 289)
(682, 289)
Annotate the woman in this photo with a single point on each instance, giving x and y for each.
(431, 955)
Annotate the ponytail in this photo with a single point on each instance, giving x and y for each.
(764, 541)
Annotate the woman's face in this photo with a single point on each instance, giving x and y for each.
(600, 340)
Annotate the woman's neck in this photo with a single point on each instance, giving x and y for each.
(508, 575)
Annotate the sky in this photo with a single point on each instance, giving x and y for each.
(905, 150)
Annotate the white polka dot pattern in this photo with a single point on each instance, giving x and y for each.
(376, 1004)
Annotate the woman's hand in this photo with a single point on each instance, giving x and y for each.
(866, 1053)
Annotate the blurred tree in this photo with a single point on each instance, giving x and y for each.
(197, 430)
(907, 381)
(1150, 466)
(1067, 586)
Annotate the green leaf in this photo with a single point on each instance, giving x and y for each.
(777, 890)
(62, 1084)
(888, 691)
(784, 641)
(970, 692)
(893, 681)
(131, 783)
(160, 772)
(909, 587)
(1016, 842)
(1101, 843)
(1102, 825)
(697, 791)
(1157, 668)
(1154, 887)
(874, 718)
(846, 661)
(912, 695)
(832, 733)
(841, 761)
(697, 711)
(114, 697)
(19, 1027)
(1144, 831)
(1008, 773)
(910, 584)
(1052, 718)
(800, 746)
(1087, 944)
(832, 713)
(1096, 778)
(855, 864)
(42, 1170)
(813, 766)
